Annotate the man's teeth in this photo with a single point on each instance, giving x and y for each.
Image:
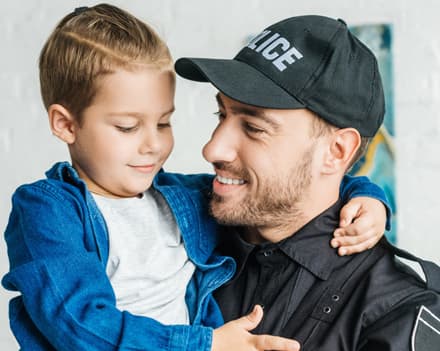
(230, 181)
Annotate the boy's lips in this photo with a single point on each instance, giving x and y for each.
(143, 168)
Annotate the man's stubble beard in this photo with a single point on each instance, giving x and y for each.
(278, 203)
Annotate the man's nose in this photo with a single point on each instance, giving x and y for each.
(223, 145)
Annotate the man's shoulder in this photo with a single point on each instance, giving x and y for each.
(398, 267)
(400, 303)
(399, 282)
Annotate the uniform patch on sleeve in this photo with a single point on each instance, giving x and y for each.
(426, 332)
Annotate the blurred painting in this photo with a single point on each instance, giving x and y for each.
(379, 163)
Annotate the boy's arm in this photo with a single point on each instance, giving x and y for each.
(64, 287)
(364, 218)
(67, 295)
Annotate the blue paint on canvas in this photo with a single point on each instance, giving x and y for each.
(378, 163)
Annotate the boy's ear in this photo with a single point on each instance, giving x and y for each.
(342, 148)
(62, 123)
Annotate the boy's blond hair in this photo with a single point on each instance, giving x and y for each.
(92, 42)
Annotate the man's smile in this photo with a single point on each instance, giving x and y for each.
(223, 185)
(229, 181)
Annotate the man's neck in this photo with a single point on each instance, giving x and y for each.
(309, 209)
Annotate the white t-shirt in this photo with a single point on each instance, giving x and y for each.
(148, 266)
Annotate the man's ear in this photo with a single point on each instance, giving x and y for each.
(62, 123)
(342, 148)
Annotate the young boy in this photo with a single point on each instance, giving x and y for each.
(108, 250)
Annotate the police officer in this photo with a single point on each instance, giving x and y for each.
(297, 107)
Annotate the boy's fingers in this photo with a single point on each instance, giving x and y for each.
(251, 321)
(359, 227)
(348, 213)
(351, 249)
(350, 240)
(269, 342)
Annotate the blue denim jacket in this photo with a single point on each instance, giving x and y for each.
(58, 249)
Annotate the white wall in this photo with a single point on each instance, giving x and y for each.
(218, 28)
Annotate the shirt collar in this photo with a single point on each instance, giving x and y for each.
(309, 246)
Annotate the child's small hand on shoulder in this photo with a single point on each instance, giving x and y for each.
(361, 226)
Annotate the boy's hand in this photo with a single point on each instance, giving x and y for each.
(235, 336)
(362, 225)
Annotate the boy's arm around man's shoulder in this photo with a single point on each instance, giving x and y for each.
(361, 186)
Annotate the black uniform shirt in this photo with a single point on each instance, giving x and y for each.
(363, 302)
(267, 273)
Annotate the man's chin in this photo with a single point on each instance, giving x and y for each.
(225, 212)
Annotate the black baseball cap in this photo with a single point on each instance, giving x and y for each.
(311, 62)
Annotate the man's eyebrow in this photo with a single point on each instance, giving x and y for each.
(250, 111)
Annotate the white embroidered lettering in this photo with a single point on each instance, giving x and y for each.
(269, 52)
(276, 49)
(267, 42)
(252, 44)
(287, 57)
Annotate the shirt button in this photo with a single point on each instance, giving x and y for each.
(267, 253)
(335, 297)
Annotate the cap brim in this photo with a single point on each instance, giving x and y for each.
(237, 80)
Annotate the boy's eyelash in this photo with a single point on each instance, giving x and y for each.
(126, 129)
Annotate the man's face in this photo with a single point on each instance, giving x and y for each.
(263, 159)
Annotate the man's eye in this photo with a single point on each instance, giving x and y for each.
(164, 125)
(126, 129)
(252, 129)
(220, 115)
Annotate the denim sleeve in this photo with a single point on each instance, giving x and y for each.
(352, 187)
(65, 296)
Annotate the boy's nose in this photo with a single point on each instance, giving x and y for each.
(150, 143)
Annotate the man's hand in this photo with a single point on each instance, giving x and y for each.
(362, 225)
(236, 336)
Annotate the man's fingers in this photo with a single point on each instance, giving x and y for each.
(269, 342)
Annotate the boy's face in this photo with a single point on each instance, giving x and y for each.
(125, 135)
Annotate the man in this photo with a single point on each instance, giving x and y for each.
(297, 107)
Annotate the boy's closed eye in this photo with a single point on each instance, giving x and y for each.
(126, 129)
